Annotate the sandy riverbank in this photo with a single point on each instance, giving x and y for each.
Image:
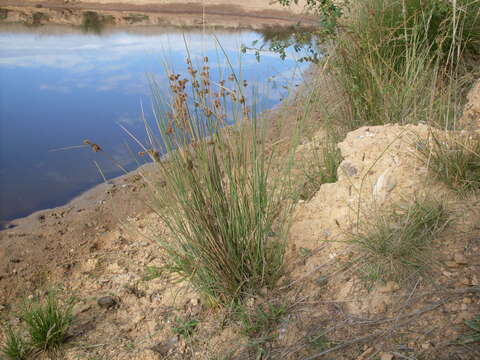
(215, 13)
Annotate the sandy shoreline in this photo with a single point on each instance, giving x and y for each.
(247, 14)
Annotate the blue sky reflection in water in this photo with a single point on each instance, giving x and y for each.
(60, 88)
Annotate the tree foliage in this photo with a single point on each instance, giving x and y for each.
(302, 39)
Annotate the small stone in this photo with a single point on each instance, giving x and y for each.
(107, 302)
(475, 281)
(467, 300)
(195, 301)
(386, 356)
(426, 345)
(165, 347)
(349, 169)
(81, 308)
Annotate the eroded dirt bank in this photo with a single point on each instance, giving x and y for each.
(244, 14)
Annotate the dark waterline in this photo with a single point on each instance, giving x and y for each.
(59, 87)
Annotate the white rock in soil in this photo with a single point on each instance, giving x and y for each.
(384, 185)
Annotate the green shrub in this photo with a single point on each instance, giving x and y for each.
(38, 18)
(395, 244)
(93, 22)
(455, 160)
(47, 323)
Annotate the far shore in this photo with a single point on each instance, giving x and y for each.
(185, 13)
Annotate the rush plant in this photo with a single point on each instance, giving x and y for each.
(226, 212)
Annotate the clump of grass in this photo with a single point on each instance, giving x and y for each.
(396, 244)
(473, 336)
(218, 198)
(455, 160)
(323, 168)
(394, 50)
(47, 323)
(319, 341)
(185, 328)
(261, 322)
(442, 25)
(13, 347)
(152, 272)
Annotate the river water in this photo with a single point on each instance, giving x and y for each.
(59, 86)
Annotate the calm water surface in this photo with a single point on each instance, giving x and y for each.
(59, 87)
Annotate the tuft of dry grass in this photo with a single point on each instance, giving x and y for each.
(453, 159)
(396, 244)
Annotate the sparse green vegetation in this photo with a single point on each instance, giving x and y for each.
(473, 335)
(13, 347)
(3, 13)
(47, 323)
(455, 160)
(396, 244)
(323, 168)
(94, 22)
(318, 341)
(135, 18)
(259, 325)
(185, 328)
(152, 272)
(38, 17)
(260, 322)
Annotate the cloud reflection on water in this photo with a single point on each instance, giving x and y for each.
(58, 89)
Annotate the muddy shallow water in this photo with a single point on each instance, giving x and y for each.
(59, 86)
